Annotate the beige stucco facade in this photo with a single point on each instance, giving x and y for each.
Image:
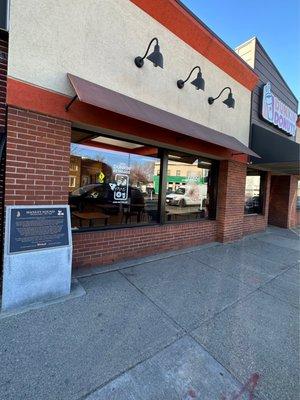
(98, 41)
(247, 51)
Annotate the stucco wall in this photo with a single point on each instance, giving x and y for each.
(98, 40)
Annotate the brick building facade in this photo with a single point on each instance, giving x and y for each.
(275, 142)
(3, 78)
(42, 134)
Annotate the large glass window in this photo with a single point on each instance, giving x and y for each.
(112, 182)
(254, 191)
(298, 196)
(115, 182)
(191, 188)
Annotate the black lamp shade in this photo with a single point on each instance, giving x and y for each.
(156, 57)
(199, 82)
(230, 102)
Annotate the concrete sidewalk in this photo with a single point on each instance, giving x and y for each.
(207, 322)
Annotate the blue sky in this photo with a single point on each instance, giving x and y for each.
(108, 156)
(276, 23)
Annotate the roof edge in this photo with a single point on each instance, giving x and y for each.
(214, 34)
(257, 41)
(277, 70)
(244, 43)
(178, 19)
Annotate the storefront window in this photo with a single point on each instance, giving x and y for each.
(112, 182)
(191, 188)
(298, 197)
(254, 191)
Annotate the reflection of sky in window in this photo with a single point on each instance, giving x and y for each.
(108, 156)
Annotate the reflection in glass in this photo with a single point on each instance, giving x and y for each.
(112, 183)
(298, 196)
(188, 188)
(253, 192)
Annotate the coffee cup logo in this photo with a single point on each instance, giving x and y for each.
(268, 103)
(277, 112)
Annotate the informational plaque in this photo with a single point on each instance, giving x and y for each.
(38, 228)
(37, 255)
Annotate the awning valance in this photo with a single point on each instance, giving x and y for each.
(279, 154)
(107, 99)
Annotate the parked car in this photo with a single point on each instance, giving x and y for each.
(169, 191)
(102, 194)
(187, 195)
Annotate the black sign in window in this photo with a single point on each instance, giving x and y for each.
(3, 14)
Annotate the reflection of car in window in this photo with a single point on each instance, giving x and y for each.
(82, 190)
(169, 191)
(102, 194)
(188, 195)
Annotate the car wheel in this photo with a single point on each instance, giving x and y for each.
(182, 203)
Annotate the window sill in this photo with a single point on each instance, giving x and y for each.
(118, 227)
(189, 221)
(111, 228)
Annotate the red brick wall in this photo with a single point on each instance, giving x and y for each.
(258, 223)
(38, 153)
(231, 194)
(292, 215)
(96, 248)
(282, 208)
(3, 78)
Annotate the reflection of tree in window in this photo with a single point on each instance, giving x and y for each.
(142, 174)
(103, 173)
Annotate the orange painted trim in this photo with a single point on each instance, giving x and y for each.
(25, 96)
(174, 17)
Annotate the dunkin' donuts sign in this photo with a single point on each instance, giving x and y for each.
(276, 112)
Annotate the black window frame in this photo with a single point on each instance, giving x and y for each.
(4, 8)
(212, 184)
(298, 196)
(262, 190)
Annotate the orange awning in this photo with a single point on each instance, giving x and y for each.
(107, 99)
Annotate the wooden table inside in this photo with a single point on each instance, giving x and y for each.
(90, 216)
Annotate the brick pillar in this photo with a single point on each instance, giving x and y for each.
(3, 78)
(231, 197)
(38, 153)
(283, 196)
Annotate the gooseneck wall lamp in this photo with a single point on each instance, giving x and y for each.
(199, 82)
(229, 101)
(155, 57)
